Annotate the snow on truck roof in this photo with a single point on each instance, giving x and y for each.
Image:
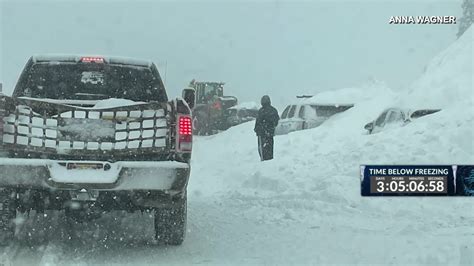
(76, 58)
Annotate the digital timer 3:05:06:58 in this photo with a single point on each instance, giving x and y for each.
(409, 184)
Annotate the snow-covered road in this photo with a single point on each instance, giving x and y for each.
(228, 231)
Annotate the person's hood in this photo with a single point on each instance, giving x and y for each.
(265, 101)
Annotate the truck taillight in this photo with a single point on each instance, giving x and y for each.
(91, 59)
(185, 134)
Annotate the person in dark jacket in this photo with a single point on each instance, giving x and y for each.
(265, 125)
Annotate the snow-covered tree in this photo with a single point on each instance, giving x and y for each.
(467, 16)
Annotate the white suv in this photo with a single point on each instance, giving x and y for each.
(303, 116)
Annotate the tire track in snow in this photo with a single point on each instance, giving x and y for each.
(11, 251)
(35, 239)
(8, 254)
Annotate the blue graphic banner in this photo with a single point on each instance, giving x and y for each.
(417, 180)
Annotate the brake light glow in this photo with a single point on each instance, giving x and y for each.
(92, 59)
(217, 106)
(185, 133)
(185, 127)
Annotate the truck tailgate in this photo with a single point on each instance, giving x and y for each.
(123, 175)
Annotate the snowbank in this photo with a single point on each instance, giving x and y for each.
(373, 90)
(448, 78)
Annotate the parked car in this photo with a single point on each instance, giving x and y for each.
(303, 116)
(86, 135)
(241, 113)
(396, 117)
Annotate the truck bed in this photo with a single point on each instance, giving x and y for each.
(35, 128)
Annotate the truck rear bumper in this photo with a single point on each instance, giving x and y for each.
(169, 176)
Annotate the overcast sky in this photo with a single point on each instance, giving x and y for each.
(275, 47)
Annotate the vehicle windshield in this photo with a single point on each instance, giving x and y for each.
(292, 111)
(91, 81)
(381, 119)
(329, 110)
(420, 113)
(285, 112)
(212, 89)
(395, 116)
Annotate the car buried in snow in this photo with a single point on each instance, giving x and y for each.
(308, 115)
(391, 117)
(85, 135)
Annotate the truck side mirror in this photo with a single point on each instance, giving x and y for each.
(369, 126)
(189, 96)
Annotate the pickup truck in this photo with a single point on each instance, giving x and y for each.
(87, 135)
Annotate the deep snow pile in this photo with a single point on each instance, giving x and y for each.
(448, 78)
(314, 178)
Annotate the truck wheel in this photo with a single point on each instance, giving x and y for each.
(170, 223)
(7, 215)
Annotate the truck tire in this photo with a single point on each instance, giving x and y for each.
(170, 223)
(7, 216)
